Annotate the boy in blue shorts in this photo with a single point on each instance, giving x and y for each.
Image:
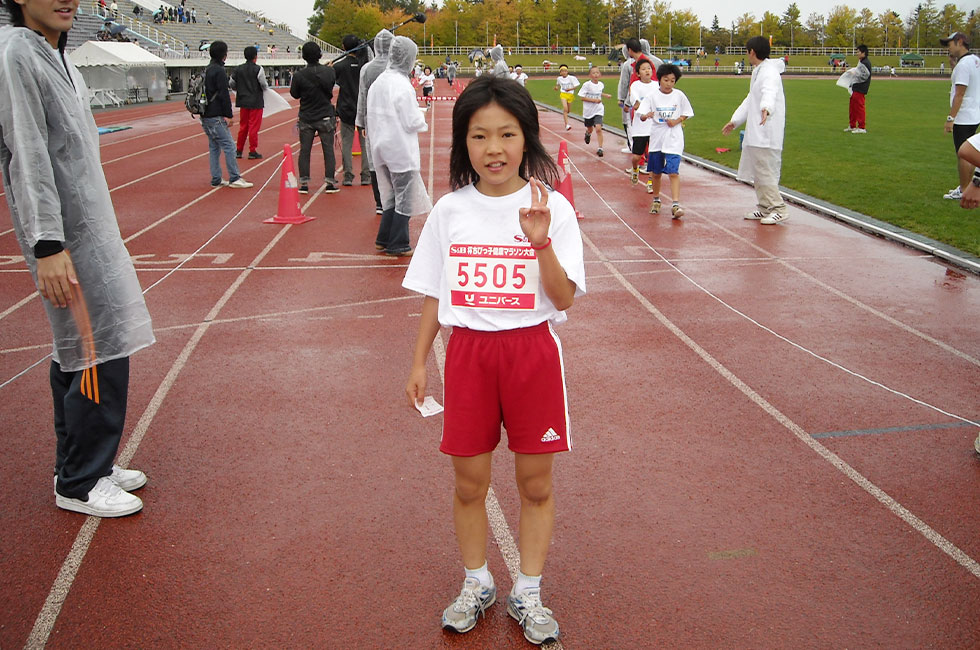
(667, 108)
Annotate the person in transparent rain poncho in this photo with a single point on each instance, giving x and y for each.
(370, 71)
(500, 68)
(66, 227)
(394, 121)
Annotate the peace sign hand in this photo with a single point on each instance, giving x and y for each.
(536, 220)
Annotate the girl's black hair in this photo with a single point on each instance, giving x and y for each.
(514, 98)
(669, 68)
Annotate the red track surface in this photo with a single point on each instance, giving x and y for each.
(296, 501)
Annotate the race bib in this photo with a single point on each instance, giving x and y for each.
(492, 277)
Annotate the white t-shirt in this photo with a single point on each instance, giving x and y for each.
(567, 84)
(427, 80)
(668, 139)
(967, 73)
(639, 90)
(592, 91)
(519, 78)
(474, 258)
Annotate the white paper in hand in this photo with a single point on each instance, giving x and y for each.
(274, 102)
(429, 406)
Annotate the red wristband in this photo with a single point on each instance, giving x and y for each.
(541, 248)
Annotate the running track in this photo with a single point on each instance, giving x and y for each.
(773, 444)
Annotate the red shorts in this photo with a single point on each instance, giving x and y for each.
(515, 378)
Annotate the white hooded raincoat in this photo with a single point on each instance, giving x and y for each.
(56, 190)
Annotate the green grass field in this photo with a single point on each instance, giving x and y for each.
(897, 172)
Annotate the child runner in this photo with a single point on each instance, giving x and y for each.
(566, 86)
(639, 128)
(519, 75)
(666, 109)
(499, 260)
(592, 109)
(427, 81)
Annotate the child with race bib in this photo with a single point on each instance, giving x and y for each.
(499, 260)
(666, 109)
(566, 86)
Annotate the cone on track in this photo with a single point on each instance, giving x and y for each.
(565, 176)
(289, 210)
(356, 149)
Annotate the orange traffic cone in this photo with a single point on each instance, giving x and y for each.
(289, 210)
(565, 176)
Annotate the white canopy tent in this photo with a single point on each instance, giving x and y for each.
(118, 72)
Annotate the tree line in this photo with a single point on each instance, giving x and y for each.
(569, 23)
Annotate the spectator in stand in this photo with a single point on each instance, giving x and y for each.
(313, 87)
(217, 118)
(194, 15)
(207, 15)
(348, 71)
(248, 81)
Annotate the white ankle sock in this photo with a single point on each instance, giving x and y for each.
(482, 574)
(526, 582)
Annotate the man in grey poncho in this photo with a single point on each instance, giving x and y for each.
(369, 72)
(65, 224)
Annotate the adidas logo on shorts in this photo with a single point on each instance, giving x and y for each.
(550, 436)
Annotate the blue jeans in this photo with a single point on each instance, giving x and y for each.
(220, 140)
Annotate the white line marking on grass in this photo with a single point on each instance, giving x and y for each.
(891, 504)
(48, 615)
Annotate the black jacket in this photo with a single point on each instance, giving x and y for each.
(248, 90)
(348, 71)
(864, 85)
(216, 90)
(313, 87)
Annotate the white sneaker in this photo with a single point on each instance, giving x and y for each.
(106, 499)
(241, 183)
(955, 194)
(848, 130)
(634, 176)
(976, 444)
(127, 479)
(472, 602)
(755, 216)
(773, 217)
(537, 621)
(859, 130)
(625, 150)
(649, 187)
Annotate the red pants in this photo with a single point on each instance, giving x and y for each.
(250, 119)
(856, 111)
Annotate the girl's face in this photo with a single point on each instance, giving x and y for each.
(645, 72)
(495, 143)
(50, 17)
(667, 83)
(427, 70)
(563, 71)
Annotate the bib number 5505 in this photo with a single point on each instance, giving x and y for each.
(500, 276)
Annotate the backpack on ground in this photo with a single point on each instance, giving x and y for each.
(196, 101)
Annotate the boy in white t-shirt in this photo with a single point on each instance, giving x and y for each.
(666, 109)
(592, 108)
(640, 129)
(566, 85)
(428, 82)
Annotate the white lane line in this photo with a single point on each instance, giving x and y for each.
(48, 615)
(769, 330)
(891, 504)
(840, 294)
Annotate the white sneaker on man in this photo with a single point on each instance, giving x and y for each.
(127, 479)
(859, 130)
(755, 216)
(241, 183)
(106, 499)
(848, 129)
(773, 217)
(955, 194)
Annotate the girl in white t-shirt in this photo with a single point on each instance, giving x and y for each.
(666, 110)
(427, 81)
(566, 85)
(499, 260)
